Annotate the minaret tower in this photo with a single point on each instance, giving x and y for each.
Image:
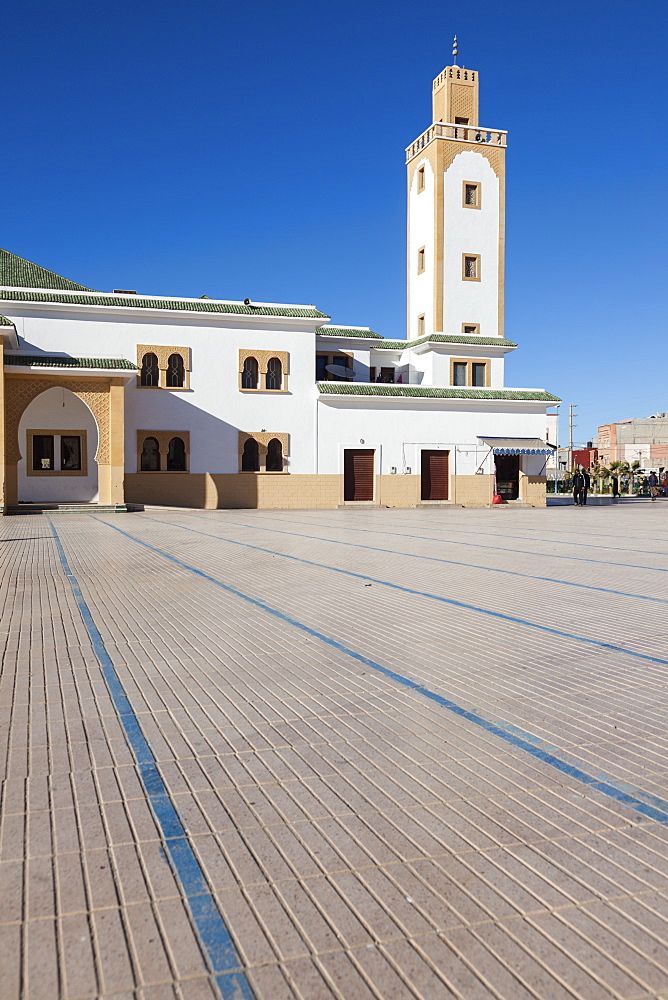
(456, 215)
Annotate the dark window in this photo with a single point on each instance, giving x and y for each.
(150, 373)
(478, 375)
(461, 121)
(274, 456)
(150, 456)
(387, 374)
(470, 267)
(175, 372)
(70, 453)
(176, 455)
(249, 374)
(470, 329)
(250, 459)
(334, 368)
(42, 452)
(471, 194)
(459, 373)
(274, 377)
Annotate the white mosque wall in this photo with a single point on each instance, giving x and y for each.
(399, 428)
(421, 234)
(470, 231)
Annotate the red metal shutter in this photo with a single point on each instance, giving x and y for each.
(358, 472)
(434, 478)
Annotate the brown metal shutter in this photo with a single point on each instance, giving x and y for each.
(434, 478)
(358, 474)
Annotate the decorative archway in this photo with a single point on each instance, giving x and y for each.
(105, 399)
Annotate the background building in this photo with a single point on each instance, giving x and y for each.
(644, 439)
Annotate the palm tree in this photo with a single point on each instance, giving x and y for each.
(615, 470)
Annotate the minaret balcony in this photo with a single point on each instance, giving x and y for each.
(459, 133)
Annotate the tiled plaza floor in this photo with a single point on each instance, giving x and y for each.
(344, 754)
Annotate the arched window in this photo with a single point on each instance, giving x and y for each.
(150, 374)
(175, 372)
(150, 455)
(250, 459)
(274, 456)
(249, 374)
(176, 455)
(274, 377)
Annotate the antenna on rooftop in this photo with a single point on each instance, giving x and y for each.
(454, 51)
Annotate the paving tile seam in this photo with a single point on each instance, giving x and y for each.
(602, 786)
(395, 586)
(211, 931)
(576, 959)
(450, 562)
(523, 552)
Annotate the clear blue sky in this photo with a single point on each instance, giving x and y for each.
(256, 150)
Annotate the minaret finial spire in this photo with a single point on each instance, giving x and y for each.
(454, 51)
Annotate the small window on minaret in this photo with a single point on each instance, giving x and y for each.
(420, 180)
(461, 121)
(459, 373)
(471, 195)
(471, 329)
(420, 326)
(420, 260)
(471, 267)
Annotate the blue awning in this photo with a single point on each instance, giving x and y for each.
(518, 446)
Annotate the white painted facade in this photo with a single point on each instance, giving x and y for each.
(471, 230)
(402, 397)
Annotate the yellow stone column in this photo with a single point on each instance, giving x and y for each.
(111, 477)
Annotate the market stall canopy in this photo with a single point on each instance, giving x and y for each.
(519, 446)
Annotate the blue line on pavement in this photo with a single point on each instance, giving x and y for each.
(413, 555)
(528, 744)
(495, 548)
(406, 590)
(209, 925)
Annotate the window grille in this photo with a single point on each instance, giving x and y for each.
(274, 377)
(150, 373)
(176, 455)
(175, 372)
(249, 374)
(150, 455)
(274, 456)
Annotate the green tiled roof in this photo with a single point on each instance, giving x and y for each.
(431, 392)
(177, 305)
(54, 361)
(5, 322)
(443, 338)
(19, 273)
(346, 331)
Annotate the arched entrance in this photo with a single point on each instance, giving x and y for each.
(58, 440)
(103, 397)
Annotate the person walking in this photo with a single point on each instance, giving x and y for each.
(578, 486)
(615, 487)
(586, 486)
(653, 484)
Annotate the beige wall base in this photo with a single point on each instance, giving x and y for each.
(397, 491)
(532, 490)
(266, 490)
(472, 491)
(247, 491)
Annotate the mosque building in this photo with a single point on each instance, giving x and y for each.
(119, 397)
